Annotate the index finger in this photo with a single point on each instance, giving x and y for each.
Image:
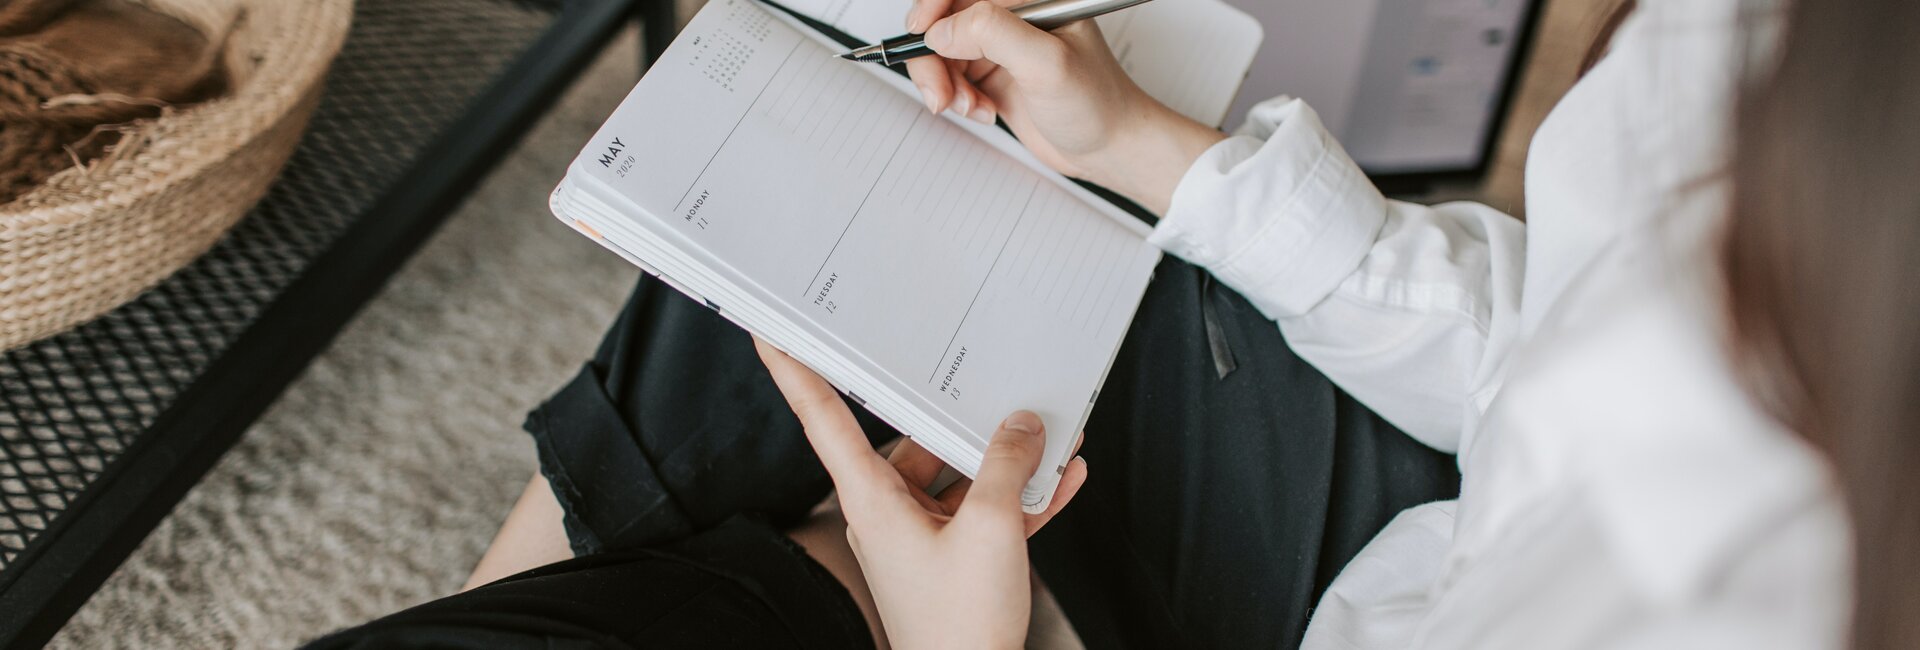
(923, 12)
(937, 84)
(830, 427)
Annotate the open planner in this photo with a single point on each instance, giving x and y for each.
(926, 265)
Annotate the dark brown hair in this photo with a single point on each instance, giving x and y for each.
(1823, 284)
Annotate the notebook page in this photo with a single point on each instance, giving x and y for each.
(974, 283)
(867, 20)
(1189, 54)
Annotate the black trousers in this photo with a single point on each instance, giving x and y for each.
(1216, 511)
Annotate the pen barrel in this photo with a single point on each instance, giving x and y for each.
(1045, 14)
(901, 48)
(1049, 14)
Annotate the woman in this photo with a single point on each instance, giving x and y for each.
(1670, 394)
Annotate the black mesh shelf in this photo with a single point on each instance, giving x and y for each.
(105, 427)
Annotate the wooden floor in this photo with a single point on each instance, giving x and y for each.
(1567, 31)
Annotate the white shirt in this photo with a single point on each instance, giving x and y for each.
(1619, 489)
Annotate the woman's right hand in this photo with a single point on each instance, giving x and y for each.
(1061, 92)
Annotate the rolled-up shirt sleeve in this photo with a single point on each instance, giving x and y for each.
(1405, 306)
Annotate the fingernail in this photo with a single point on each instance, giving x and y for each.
(941, 35)
(1022, 421)
(914, 24)
(927, 97)
(981, 115)
(962, 101)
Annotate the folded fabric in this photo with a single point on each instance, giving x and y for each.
(72, 70)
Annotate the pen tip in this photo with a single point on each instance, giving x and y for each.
(864, 54)
(846, 55)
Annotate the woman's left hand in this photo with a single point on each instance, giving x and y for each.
(946, 570)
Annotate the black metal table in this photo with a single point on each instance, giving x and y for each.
(103, 429)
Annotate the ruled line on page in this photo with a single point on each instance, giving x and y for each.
(736, 128)
(983, 287)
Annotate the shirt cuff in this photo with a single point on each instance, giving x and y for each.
(1283, 221)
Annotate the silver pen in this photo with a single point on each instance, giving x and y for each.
(1044, 14)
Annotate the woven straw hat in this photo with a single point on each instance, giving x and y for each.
(90, 239)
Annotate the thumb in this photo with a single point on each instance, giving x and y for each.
(1010, 459)
(988, 31)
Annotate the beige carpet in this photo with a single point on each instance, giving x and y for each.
(379, 477)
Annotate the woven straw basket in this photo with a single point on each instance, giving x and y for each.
(90, 239)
